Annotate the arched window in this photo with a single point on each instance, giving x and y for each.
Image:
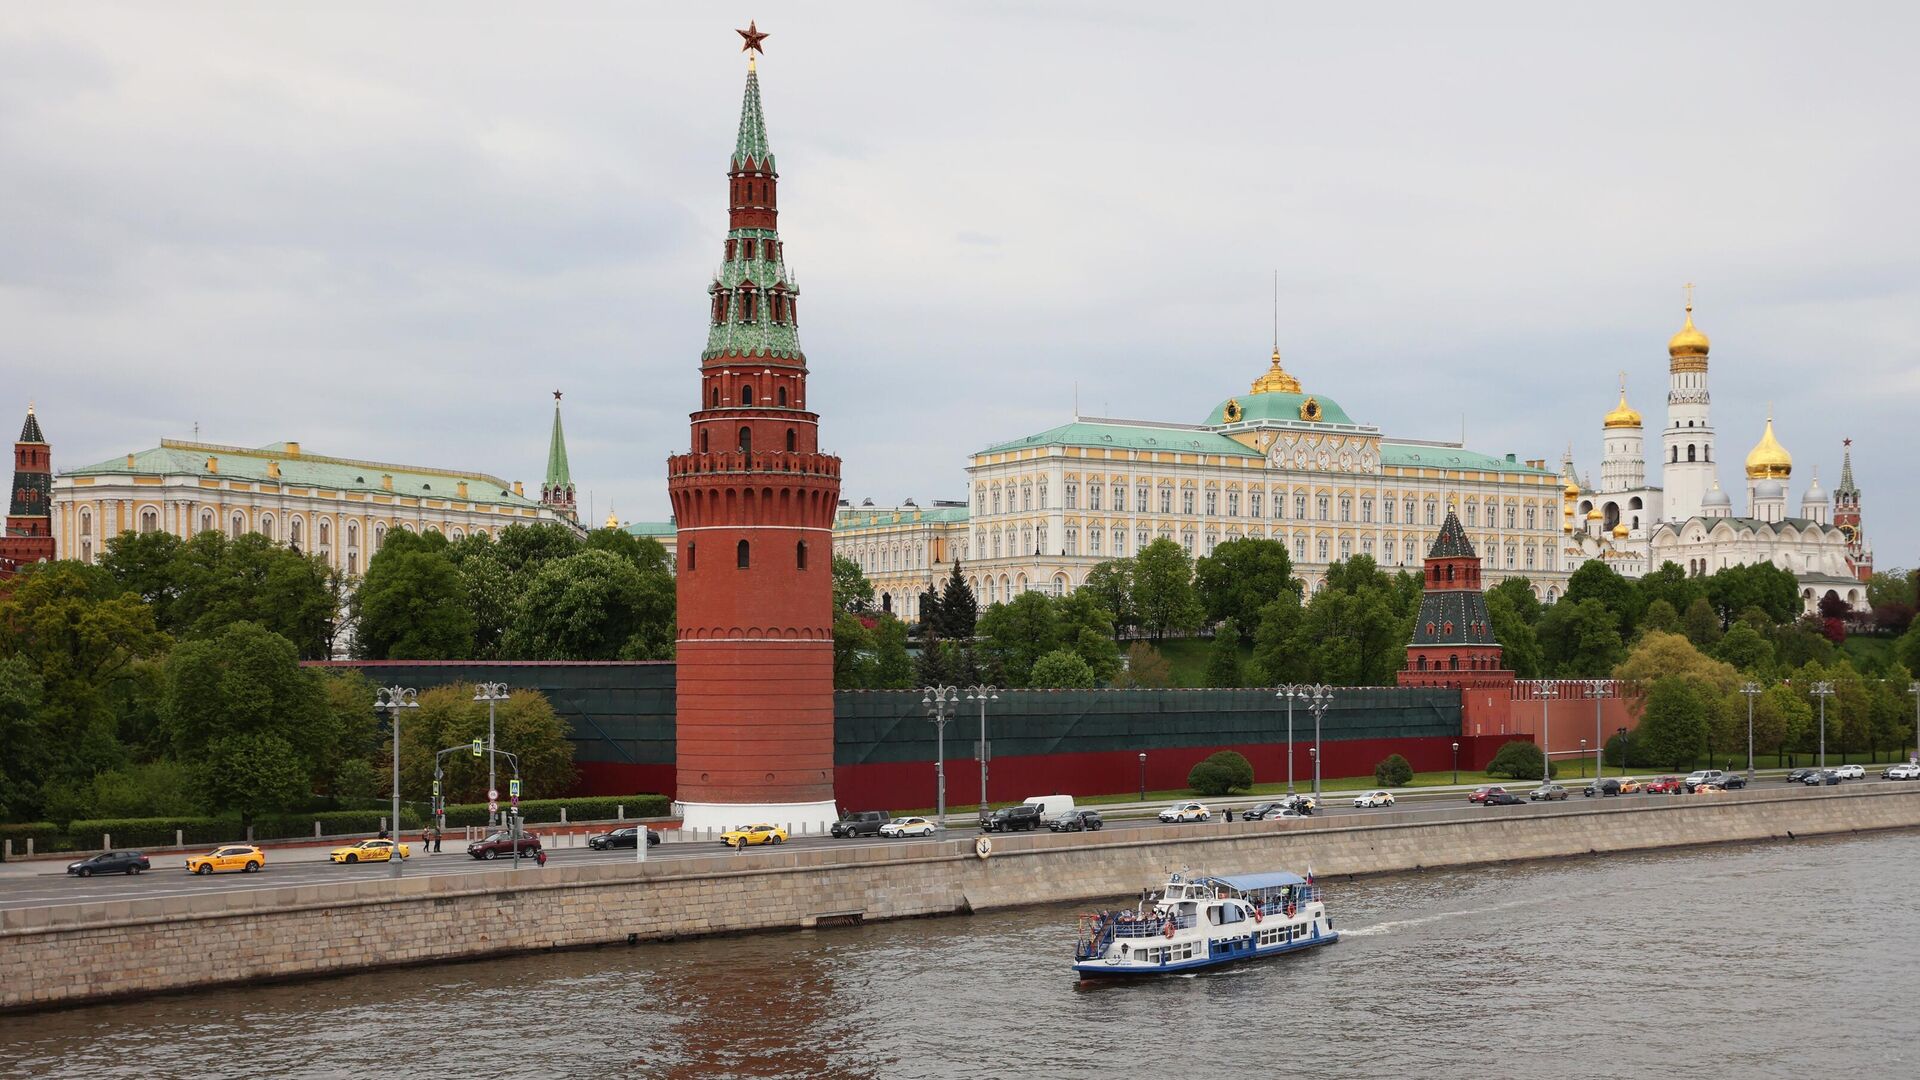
(740, 555)
(1690, 452)
(379, 536)
(1454, 661)
(793, 441)
(86, 523)
(326, 532)
(746, 440)
(296, 532)
(746, 395)
(239, 524)
(206, 521)
(716, 397)
(782, 396)
(800, 555)
(149, 520)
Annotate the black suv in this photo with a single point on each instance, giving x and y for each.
(1022, 818)
(1078, 821)
(861, 823)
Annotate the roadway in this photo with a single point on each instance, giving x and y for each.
(46, 883)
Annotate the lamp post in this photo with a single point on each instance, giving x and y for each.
(1289, 692)
(983, 694)
(1143, 777)
(1317, 697)
(390, 702)
(1314, 753)
(1914, 689)
(1823, 691)
(1583, 761)
(1598, 689)
(1544, 692)
(1456, 764)
(490, 692)
(1751, 690)
(1623, 751)
(939, 701)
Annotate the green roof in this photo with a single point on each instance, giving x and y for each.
(655, 529)
(869, 517)
(752, 140)
(173, 458)
(1279, 407)
(1417, 456)
(559, 477)
(1131, 436)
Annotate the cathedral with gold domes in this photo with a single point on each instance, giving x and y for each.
(1688, 519)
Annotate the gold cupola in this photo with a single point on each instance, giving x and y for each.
(1623, 414)
(613, 520)
(1768, 460)
(1688, 349)
(1276, 380)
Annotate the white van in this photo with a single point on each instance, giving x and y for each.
(1052, 807)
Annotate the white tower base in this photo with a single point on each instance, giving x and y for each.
(810, 818)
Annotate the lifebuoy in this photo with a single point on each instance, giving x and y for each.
(1289, 911)
(982, 846)
(1169, 927)
(1256, 916)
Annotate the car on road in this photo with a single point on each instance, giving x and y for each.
(619, 838)
(1186, 811)
(493, 845)
(1606, 787)
(1305, 804)
(907, 826)
(1733, 780)
(1903, 771)
(1023, 818)
(1795, 776)
(1701, 776)
(1502, 797)
(1258, 811)
(1666, 785)
(1820, 778)
(1372, 799)
(754, 834)
(1547, 793)
(1078, 821)
(110, 862)
(242, 857)
(1629, 786)
(860, 823)
(1483, 792)
(1851, 772)
(367, 851)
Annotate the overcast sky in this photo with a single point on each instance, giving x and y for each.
(389, 231)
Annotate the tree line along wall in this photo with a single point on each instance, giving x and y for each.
(621, 715)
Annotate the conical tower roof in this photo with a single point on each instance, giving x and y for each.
(1452, 543)
(1845, 488)
(750, 146)
(30, 431)
(559, 476)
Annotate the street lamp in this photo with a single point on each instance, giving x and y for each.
(491, 692)
(1914, 689)
(1823, 691)
(390, 702)
(1290, 692)
(1314, 753)
(1598, 689)
(1583, 761)
(1143, 777)
(1750, 689)
(1317, 697)
(940, 701)
(983, 694)
(1456, 764)
(1544, 692)
(1623, 751)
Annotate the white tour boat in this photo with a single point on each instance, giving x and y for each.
(1201, 922)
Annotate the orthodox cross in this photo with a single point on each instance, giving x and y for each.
(1689, 288)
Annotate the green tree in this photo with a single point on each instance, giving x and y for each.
(161, 788)
(1763, 585)
(524, 725)
(645, 553)
(1518, 760)
(851, 589)
(1146, 669)
(1351, 631)
(1086, 627)
(1111, 583)
(892, 667)
(412, 603)
(1061, 669)
(1907, 649)
(852, 652)
(525, 547)
(1393, 772)
(1015, 635)
(1780, 719)
(1278, 653)
(28, 760)
(1595, 580)
(245, 683)
(1673, 722)
(1241, 577)
(959, 608)
(146, 564)
(1657, 655)
(1223, 656)
(1702, 623)
(1517, 592)
(1745, 648)
(1659, 615)
(595, 605)
(1221, 773)
(218, 582)
(1672, 583)
(1519, 642)
(253, 773)
(1581, 638)
(491, 590)
(1163, 592)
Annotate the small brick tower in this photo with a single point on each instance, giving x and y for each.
(1453, 642)
(557, 490)
(754, 499)
(29, 535)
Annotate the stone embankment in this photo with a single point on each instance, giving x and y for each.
(85, 952)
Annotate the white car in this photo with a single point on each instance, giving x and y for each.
(1374, 798)
(1902, 771)
(1851, 772)
(907, 826)
(1186, 811)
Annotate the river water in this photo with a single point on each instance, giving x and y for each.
(1783, 959)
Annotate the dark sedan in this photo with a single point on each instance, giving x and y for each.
(619, 838)
(1798, 776)
(1502, 797)
(110, 862)
(1606, 787)
(1263, 810)
(1819, 777)
(1078, 821)
(1733, 780)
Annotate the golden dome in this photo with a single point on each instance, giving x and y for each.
(1571, 491)
(1276, 380)
(1620, 531)
(613, 522)
(1623, 414)
(1689, 342)
(1594, 514)
(1769, 460)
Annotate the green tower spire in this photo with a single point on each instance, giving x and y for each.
(557, 491)
(751, 143)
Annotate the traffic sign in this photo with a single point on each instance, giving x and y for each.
(436, 788)
(492, 806)
(513, 788)
(492, 794)
(476, 748)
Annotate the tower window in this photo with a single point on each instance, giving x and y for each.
(800, 555)
(793, 441)
(740, 555)
(746, 395)
(716, 397)
(782, 396)
(1690, 452)
(746, 440)
(703, 442)
(691, 560)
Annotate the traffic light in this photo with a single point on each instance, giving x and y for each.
(476, 748)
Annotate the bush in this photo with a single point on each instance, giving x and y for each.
(536, 811)
(332, 823)
(1221, 774)
(1518, 760)
(1393, 772)
(46, 836)
(154, 832)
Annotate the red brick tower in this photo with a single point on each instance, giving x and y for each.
(29, 535)
(1846, 515)
(1453, 642)
(754, 499)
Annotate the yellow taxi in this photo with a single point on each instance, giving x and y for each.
(1629, 786)
(242, 857)
(368, 851)
(754, 834)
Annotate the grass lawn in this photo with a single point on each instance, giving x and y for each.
(1187, 659)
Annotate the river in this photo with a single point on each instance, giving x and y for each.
(1781, 959)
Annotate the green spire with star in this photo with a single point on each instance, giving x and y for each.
(751, 143)
(559, 477)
